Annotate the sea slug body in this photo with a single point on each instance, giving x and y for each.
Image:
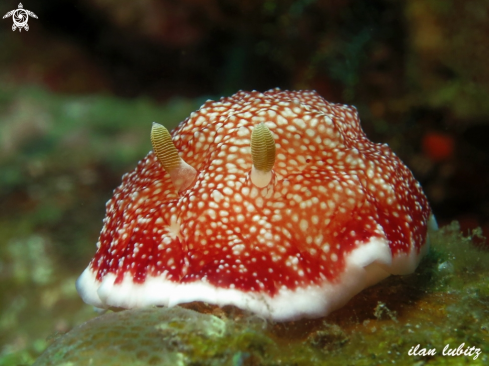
(274, 202)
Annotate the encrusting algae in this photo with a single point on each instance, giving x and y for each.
(442, 306)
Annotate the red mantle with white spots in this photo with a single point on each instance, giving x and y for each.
(340, 214)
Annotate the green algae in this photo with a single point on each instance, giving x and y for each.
(434, 307)
(152, 336)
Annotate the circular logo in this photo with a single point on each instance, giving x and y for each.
(20, 18)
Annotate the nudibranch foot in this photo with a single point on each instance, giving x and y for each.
(285, 209)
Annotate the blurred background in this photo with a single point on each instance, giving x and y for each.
(79, 90)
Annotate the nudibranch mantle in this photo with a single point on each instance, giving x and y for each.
(336, 214)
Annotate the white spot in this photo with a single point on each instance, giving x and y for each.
(304, 225)
(227, 191)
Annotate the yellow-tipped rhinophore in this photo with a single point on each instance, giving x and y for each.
(181, 174)
(163, 147)
(262, 154)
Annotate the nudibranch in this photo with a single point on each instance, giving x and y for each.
(275, 202)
